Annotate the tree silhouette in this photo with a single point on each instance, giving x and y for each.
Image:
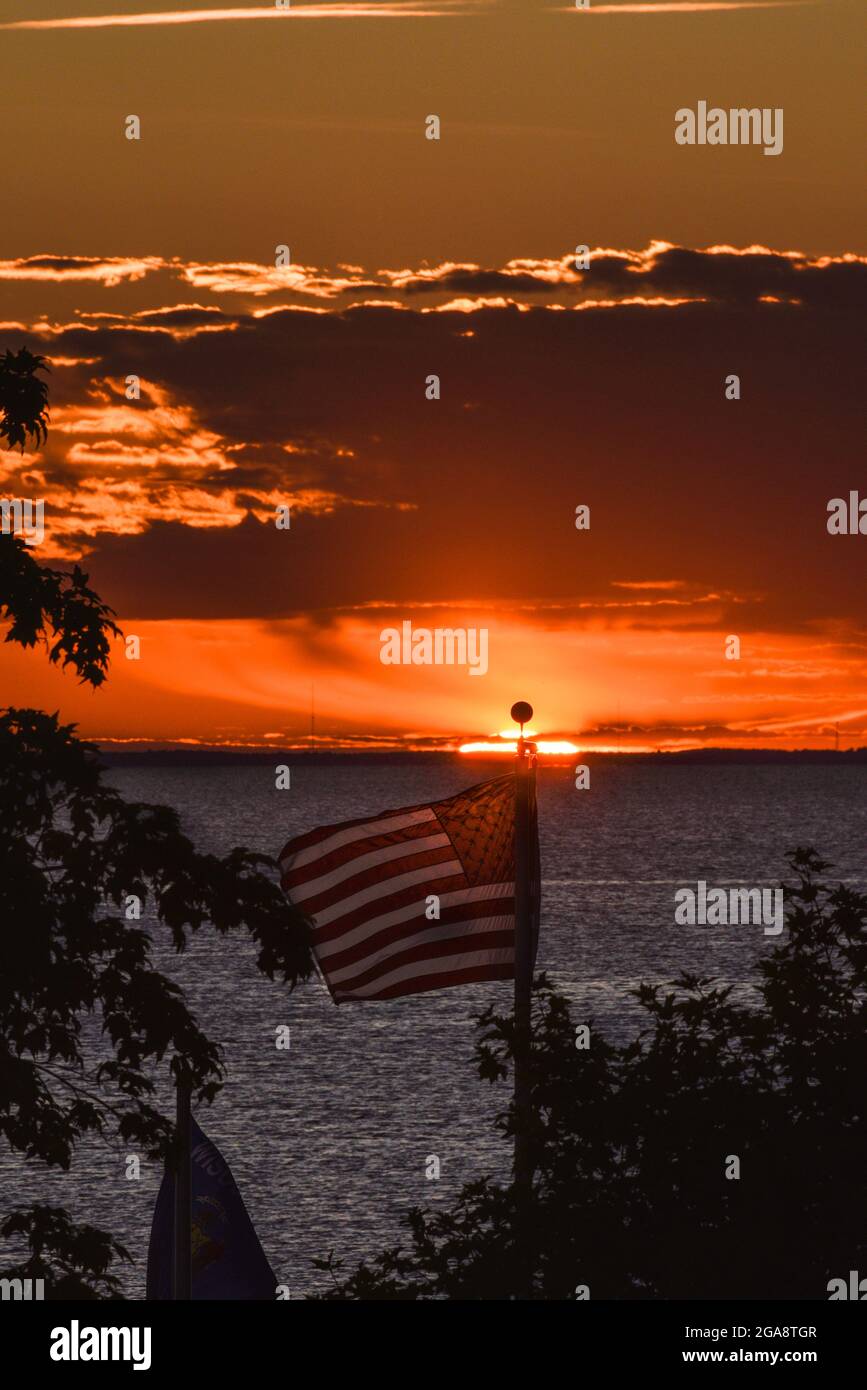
(632, 1143)
(23, 398)
(37, 601)
(73, 852)
(62, 1251)
(74, 855)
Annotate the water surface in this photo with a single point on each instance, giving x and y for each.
(328, 1141)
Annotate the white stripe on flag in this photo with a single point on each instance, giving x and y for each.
(451, 869)
(311, 887)
(357, 832)
(439, 931)
(462, 962)
(455, 897)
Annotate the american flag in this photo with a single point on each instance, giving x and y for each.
(365, 885)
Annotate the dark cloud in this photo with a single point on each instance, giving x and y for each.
(475, 281)
(733, 277)
(620, 409)
(186, 316)
(59, 262)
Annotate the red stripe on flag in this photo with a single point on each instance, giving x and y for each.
(430, 951)
(346, 853)
(463, 912)
(420, 984)
(366, 878)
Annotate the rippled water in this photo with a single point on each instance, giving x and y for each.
(328, 1141)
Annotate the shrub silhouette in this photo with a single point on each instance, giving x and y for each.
(631, 1142)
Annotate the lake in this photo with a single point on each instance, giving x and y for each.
(328, 1140)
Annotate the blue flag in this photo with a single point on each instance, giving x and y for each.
(228, 1261)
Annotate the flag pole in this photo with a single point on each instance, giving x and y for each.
(183, 1274)
(525, 788)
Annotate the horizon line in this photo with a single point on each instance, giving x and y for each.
(488, 750)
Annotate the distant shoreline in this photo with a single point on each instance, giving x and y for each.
(708, 757)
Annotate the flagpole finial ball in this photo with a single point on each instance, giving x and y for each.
(522, 713)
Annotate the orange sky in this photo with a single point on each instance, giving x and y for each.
(237, 682)
(303, 384)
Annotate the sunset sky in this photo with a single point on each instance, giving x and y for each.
(305, 384)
